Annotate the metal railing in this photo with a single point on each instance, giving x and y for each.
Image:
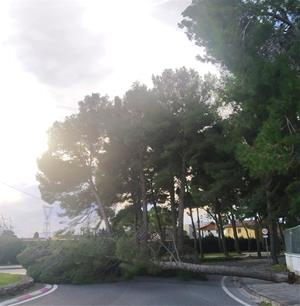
(292, 240)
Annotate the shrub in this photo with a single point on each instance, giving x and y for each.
(10, 247)
(210, 244)
(133, 261)
(86, 260)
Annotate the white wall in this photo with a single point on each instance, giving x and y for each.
(204, 216)
(293, 262)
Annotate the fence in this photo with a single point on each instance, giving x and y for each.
(292, 240)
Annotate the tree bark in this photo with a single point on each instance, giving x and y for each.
(144, 208)
(248, 237)
(219, 237)
(235, 235)
(158, 222)
(101, 208)
(180, 236)
(173, 211)
(281, 235)
(272, 228)
(257, 235)
(194, 233)
(223, 239)
(199, 235)
(224, 270)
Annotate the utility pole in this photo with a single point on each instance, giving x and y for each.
(47, 209)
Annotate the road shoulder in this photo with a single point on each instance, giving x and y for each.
(277, 294)
(47, 289)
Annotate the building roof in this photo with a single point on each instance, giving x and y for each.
(249, 224)
(208, 226)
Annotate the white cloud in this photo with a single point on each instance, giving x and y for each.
(52, 42)
(53, 53)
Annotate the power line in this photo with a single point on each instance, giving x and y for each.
(66, 107)
(21, 191)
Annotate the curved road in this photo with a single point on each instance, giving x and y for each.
(147, 291)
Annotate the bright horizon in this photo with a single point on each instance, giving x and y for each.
(55, 52)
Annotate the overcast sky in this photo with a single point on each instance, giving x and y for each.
(52, 54)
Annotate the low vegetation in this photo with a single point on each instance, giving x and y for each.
(8, 279)
(10, 247)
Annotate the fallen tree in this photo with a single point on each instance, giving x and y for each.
(224, 270)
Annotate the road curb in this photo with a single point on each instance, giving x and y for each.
(29, 296)
(258, 296)
(16, 288)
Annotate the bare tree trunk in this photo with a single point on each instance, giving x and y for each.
(194, 234)
(199, 235)
(215, 218)
(158, 222)
(257, 235)
(248, 237)
(225, 270)
(173, 211)
(180, 236)
(144, 207)
(101, 208)
(281, 235)
(219, 237)
(272, 227)
(235, 235)
(137, 217)
(223, 239)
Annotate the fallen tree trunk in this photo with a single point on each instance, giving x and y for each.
(224, 270)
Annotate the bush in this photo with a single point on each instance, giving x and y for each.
(90, 260)
(10, 247)
(87, 260)
(210, 244)
(133, 261)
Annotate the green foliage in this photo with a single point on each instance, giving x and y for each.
(10, 247)
(8, 279)
(86, 260)
(294, 197)
(133, 260)
(271, 151)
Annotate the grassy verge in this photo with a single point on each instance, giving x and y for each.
(216, 257)
(8, 279)
(279, 268)
(220, 255)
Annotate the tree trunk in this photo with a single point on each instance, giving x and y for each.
(194, 234)
(272, 228)
(257, 235)
(223, 239)
(199, 235)
(180, 236)
(158, 222)
(101, 208)
(144, 233)
(248, 237)
(173, 211)
(281, 235)
(235, 235)
(219, 237)
(224, 270)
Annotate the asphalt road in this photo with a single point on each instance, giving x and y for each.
(147, 291)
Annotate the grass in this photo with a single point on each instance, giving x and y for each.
(7, 279)
(279, 268)
(214, 257)
(219, 255)
(265, 303)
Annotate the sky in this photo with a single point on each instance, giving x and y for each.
(55, 52)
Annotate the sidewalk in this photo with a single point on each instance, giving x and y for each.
(277, 294)
(13, 269)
